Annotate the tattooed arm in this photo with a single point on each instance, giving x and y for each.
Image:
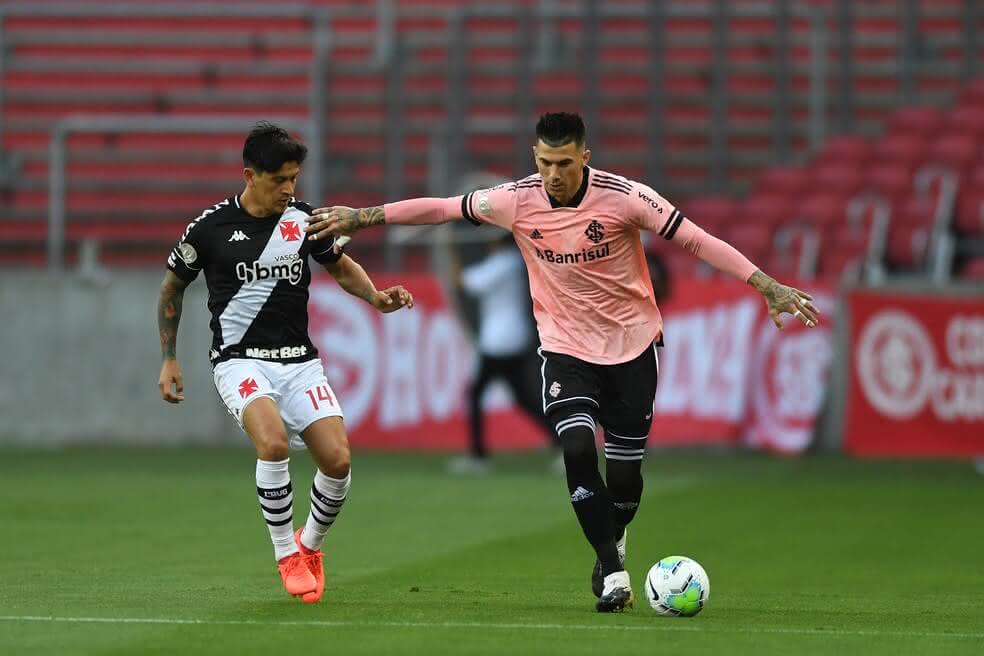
(781, 298)
(339, 220)
(343, 220)
(168, 317)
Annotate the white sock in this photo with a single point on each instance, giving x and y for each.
(327, 496)
(276, 502)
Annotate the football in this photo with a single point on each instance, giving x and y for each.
(677, 586)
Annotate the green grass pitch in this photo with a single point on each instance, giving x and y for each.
(129, 551)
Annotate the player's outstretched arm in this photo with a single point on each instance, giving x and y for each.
(339, 220)
(169, 306)
(353, 279)
(781, 298)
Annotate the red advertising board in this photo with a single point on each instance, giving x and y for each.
(726, 373)
(916, 375)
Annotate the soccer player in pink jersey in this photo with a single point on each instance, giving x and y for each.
(578, 229)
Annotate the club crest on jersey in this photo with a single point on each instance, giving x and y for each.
(555, 389)
(595, 231)
(287, 267)
(289, 231)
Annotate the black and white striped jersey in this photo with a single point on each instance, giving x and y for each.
(258, 275)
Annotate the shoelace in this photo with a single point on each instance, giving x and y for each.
(296, 565)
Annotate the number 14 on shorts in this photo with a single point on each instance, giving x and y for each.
(320, 393)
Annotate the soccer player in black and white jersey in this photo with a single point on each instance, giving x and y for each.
(254, 253)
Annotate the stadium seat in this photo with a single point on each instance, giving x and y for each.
(956, 149)
(907, 245)
(891, 179)
(900, 148)
(969, 217)
(974, 269)
(711, 212)
(845, 149)
(915, 121)
(837, 178)
(771, 209)
(784, 179)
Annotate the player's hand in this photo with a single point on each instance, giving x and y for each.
(171, 381)
(339, 220)
(392, 299)
(781, 298)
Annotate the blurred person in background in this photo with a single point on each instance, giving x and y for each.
(578, 229)
(505, 340)
(267, 371)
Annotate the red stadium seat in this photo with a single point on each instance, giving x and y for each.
(752, 239)
(768, 209)
(905, 148)
(711, 212)
(907, 244)
(969, 218)
(845, 149)
(915, 121)
(957, 149)
(967, 119)
(914, 211)
(786, 179)
(839, 178)
(892, 180)
(823, 209)
(974, 269)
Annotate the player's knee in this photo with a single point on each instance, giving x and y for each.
(272, 445)
(340, 462)
(576, 428)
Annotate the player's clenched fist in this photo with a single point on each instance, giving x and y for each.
(171, 382)
(392, 299)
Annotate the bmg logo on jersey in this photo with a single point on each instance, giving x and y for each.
(287, 267)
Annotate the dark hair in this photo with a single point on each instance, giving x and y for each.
(559, 129)
(268, 147)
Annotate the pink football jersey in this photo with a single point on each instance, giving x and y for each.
(592, 294)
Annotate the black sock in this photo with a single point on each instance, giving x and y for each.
(623, 472)
(590, 498)
(625, 484)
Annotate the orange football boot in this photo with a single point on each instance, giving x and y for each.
(296, 576)
(315, 565)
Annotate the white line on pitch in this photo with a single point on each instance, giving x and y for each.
(659, 624)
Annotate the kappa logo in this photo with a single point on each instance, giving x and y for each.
(536, 234)
(238, 235)
(555, 389)
(595, 231)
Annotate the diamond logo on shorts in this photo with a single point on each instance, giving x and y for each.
(555, 389)
(247, 387)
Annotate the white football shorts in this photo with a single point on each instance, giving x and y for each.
(300, 390)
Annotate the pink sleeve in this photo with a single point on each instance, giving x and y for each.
(650, 211)
(719, 254)
(424, 211)
(496, 205)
